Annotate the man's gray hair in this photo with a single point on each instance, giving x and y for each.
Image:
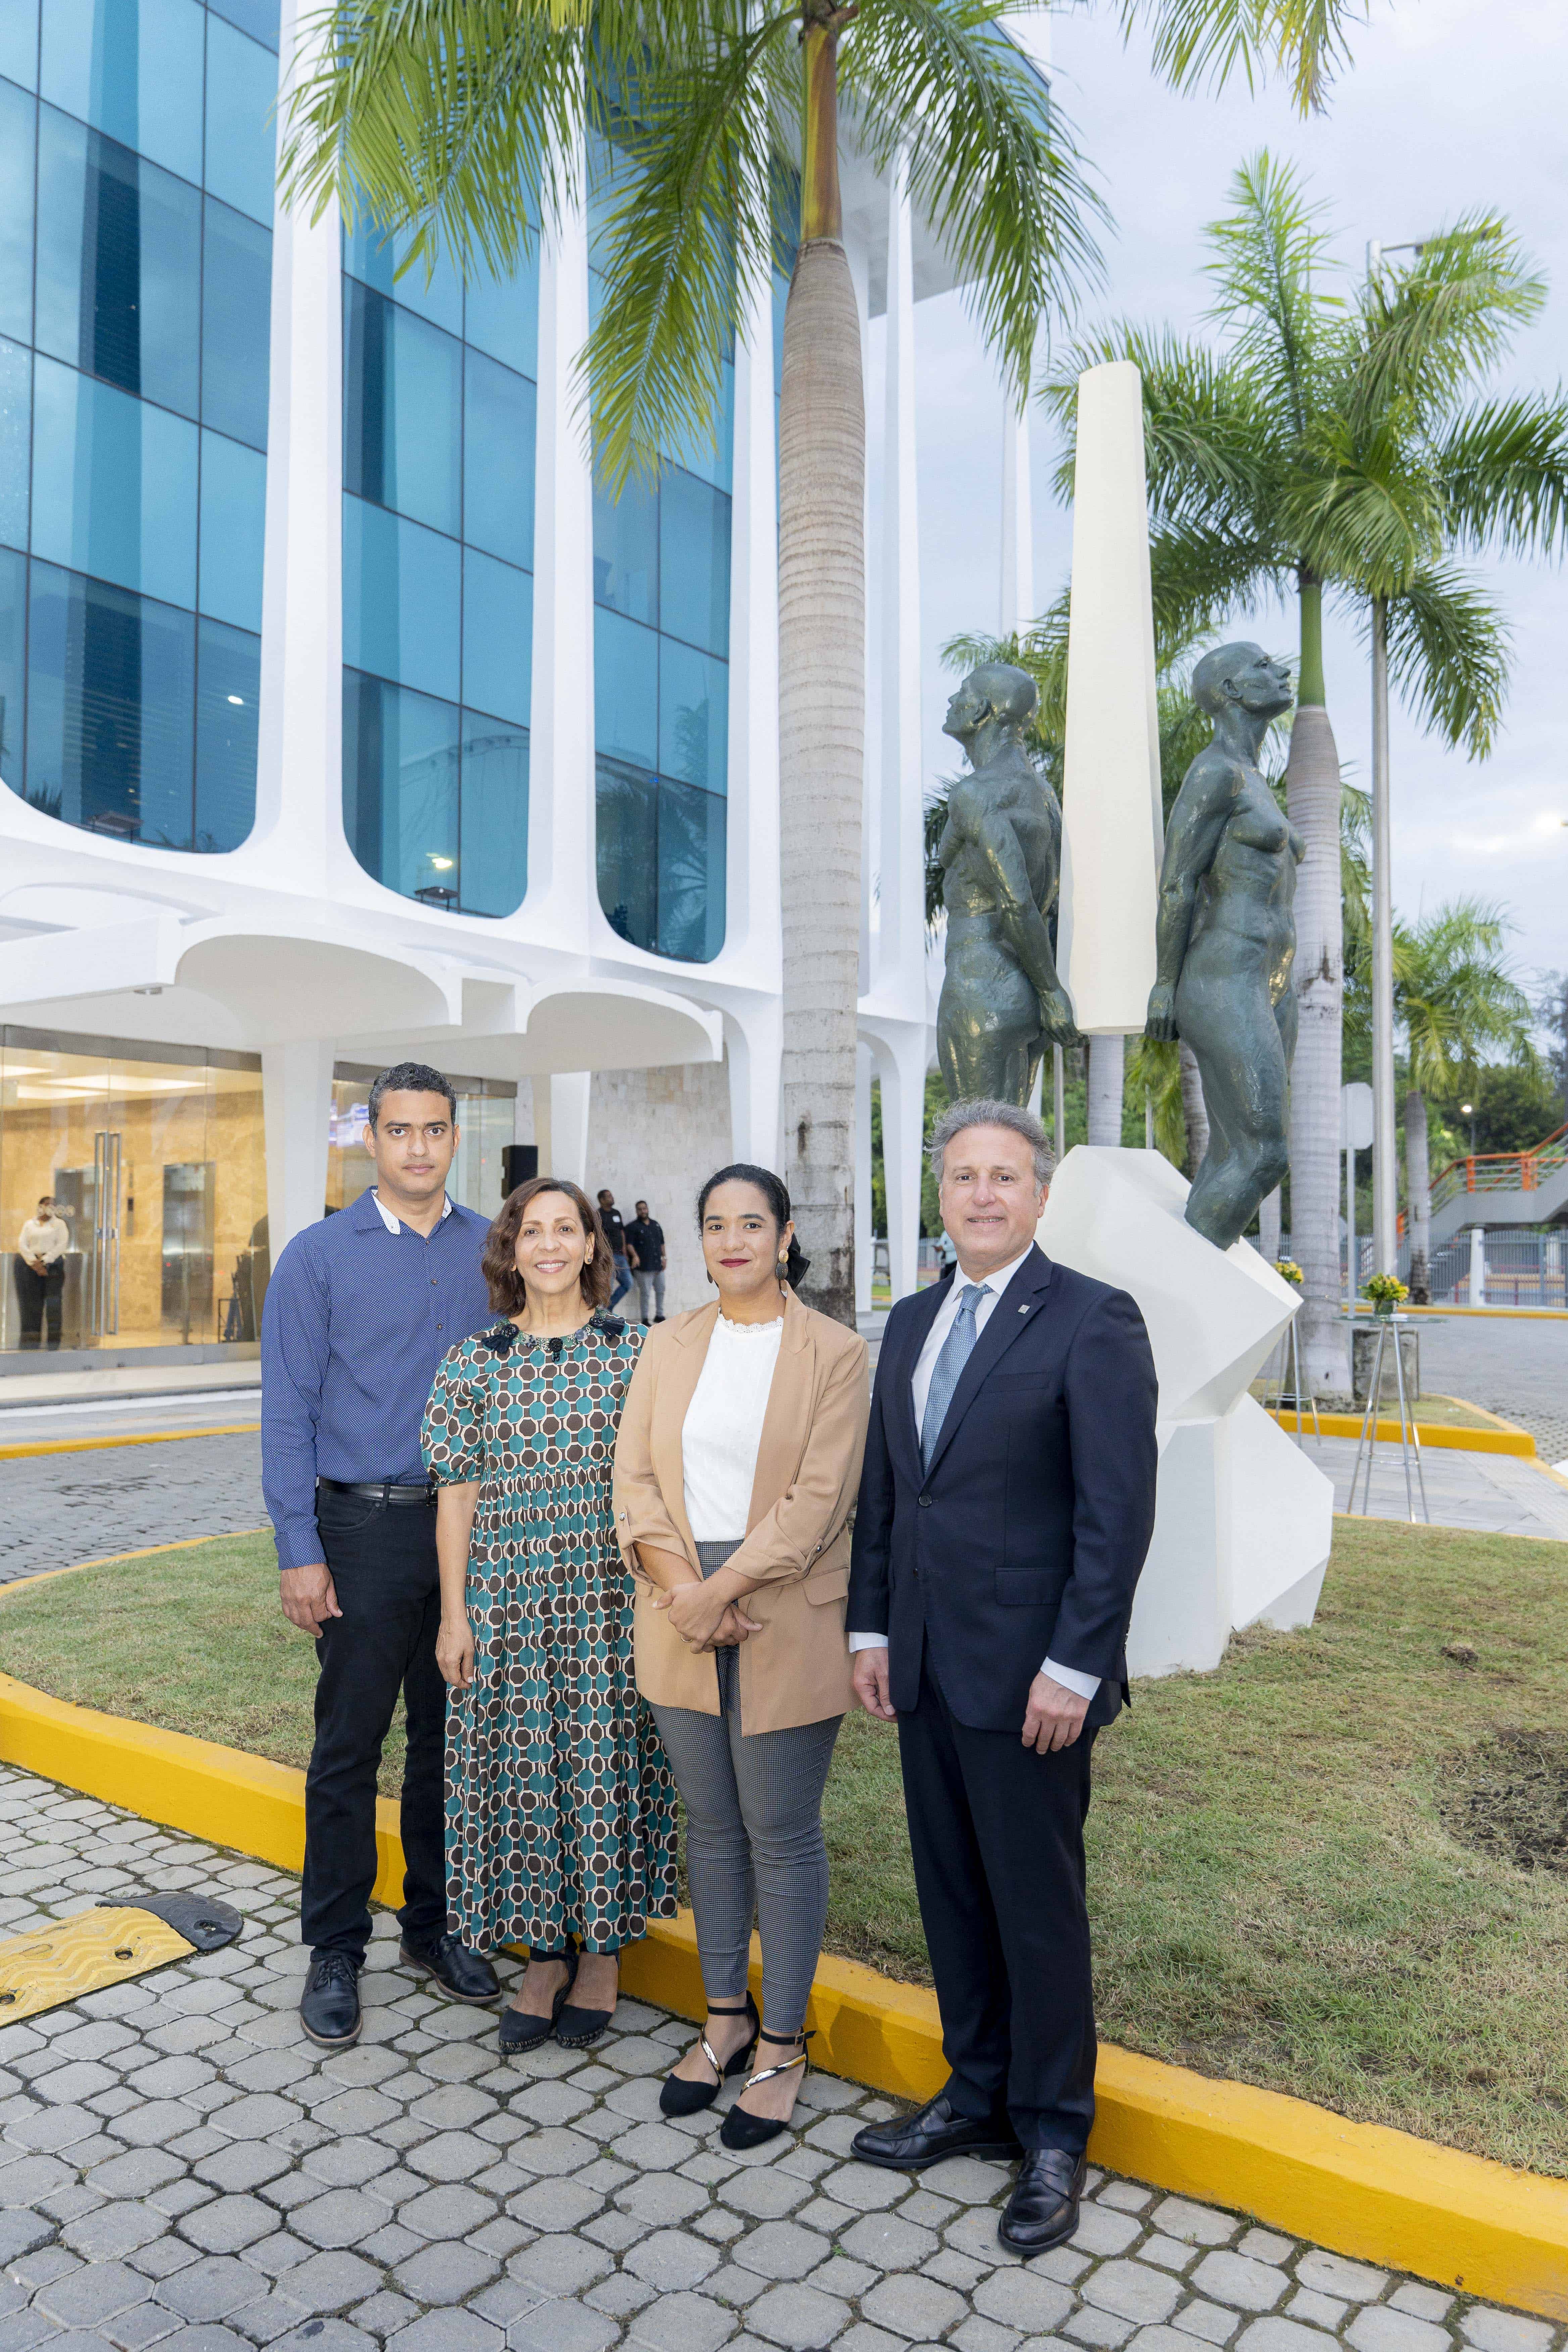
(983, 1112)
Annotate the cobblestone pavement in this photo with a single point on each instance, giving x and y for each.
(1510, 1364)
(56, 1509)
(179, 2167)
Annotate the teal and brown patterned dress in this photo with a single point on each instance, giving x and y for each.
(560, 1805)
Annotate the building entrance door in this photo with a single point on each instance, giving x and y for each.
(190, 1192)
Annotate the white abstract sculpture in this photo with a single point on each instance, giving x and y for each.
(1244, 1520)
(1112, 828)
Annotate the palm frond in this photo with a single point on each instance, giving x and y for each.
(1364, 507)
(1503, 469)
(1211, 446)
(1270, 251)
(1448, 657)
(1428, 330)
(1454, 995)
(1208, 43)
(991, 161)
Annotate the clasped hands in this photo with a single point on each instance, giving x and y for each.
(707, 1612)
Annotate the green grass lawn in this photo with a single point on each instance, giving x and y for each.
(1305, 1869)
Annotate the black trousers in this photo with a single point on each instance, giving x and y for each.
(997, 1835)
(39, 1294)
(383, 1562)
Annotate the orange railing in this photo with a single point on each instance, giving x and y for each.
(1502, 1171)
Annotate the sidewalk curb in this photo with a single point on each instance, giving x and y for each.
(137, 1437)
(1358, 2189)
(1436, 1435)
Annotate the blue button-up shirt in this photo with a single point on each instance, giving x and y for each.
(357, 1318)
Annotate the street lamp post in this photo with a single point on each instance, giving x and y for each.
(1468, 1110)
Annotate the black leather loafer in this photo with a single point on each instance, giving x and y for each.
(1043, 2209)
(329, 2006)
(909, 2143)
(462, 1975)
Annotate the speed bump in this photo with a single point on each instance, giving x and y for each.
(106, 1946)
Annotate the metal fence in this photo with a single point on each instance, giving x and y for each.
(1517, 1266)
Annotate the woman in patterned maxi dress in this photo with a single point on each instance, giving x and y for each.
(560, 1804)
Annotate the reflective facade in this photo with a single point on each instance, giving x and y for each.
(661, 687)
(136, 164)
(438, 443)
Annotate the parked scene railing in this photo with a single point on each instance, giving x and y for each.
(1502, 1171)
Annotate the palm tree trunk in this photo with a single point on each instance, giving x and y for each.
(1105, 1070)
(822, 688)
(1193, 1110)
(1312, 794)
(1418, 1186)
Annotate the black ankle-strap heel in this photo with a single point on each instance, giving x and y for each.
(741, 2130)
(678, 2097)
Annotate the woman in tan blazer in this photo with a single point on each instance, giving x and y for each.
(736, 1468)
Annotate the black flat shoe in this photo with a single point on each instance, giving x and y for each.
(741, 2130)
(520, 2030)
(678, 2097)
(908, 2143)
(329, 2006)
(462, 1975)
(1043, 2209)
(579, 2029)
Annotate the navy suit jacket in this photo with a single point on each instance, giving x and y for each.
(1028, 1534)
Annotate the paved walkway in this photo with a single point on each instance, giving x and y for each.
(61, 1508)
(179, 2167)
(1511, 1364)
(1496, 1494)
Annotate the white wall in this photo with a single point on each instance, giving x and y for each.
(654, 1136)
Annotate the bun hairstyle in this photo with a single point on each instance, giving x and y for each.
(776, 1192)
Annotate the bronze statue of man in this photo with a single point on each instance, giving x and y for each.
(1226, 940)
(1001, 1002)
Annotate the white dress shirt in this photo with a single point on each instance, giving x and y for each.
(44, 1237)
(394, 1224)
(1083, 1685)
(722, 1430)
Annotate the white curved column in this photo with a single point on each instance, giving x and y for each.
(1018, 594)
(296, 1107)
(753, 1045)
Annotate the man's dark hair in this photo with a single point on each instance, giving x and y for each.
(411, 1078)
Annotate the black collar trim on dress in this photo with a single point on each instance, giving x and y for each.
(504, 1339)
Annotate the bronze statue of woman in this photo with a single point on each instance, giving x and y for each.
(1227, 942)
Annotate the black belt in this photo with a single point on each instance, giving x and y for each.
(379, 1491)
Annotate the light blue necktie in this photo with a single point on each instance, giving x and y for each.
(956, 1351)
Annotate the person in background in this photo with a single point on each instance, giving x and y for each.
(735, 1472)
(1004, 1512)
(559, 1800)
(615, 1227)
(360, 1309)
(41, 1247)
(645, 1243)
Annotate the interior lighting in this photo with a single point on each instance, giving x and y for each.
(238, 700)
(443, 865)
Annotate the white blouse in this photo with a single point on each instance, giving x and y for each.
(723, 1427)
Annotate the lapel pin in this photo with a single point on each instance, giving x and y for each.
(1022, 1310)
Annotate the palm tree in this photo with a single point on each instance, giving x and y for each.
(1334, 443)
(461, 121)
(1458, 1006)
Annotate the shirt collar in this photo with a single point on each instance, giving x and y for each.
(994, 1283)
(394, 1225)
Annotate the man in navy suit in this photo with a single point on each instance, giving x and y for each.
(1005, 1509)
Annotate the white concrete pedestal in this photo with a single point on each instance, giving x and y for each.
(1244, 1517)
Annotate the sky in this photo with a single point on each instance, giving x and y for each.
(1448, 105)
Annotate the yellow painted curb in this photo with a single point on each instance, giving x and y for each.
(139, 1437)
(1379, 2195)
(1434, 1433)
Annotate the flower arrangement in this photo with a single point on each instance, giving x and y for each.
(1288, 1268)
(1385, 1292)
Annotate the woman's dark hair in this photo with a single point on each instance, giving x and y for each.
(509, 1292)
(776, 1192)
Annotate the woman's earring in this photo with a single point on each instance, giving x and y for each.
(781, 1269)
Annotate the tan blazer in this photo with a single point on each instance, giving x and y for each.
(796, 1670)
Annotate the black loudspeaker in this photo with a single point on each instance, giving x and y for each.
(519, 1162)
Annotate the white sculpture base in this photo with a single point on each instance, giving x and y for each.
(1243, 1519)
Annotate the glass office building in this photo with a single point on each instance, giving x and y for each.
(136, 166)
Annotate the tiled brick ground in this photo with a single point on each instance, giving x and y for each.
(179, 2167)
(61, 1508)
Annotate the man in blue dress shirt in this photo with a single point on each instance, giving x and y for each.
(360, 1311)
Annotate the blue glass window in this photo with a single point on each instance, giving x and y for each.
(114, 485)
(17, 117)
(402, 392)
(228, 695)
(19, 42)
(257, 17)
(16, 410)
(438, 462)
(120, 264)
(237, 296)
(626, 690)
(625, 811)
(242, 81)
(132, 69)
(625, 550)
(110, 708)
(233, 525)
(13, 662)
(693, 716)
(694, 562)
(691, 837)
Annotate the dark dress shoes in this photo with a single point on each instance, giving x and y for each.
(909, 2143)
(328, 2007)
(1043, 2209)
(461, 1974)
